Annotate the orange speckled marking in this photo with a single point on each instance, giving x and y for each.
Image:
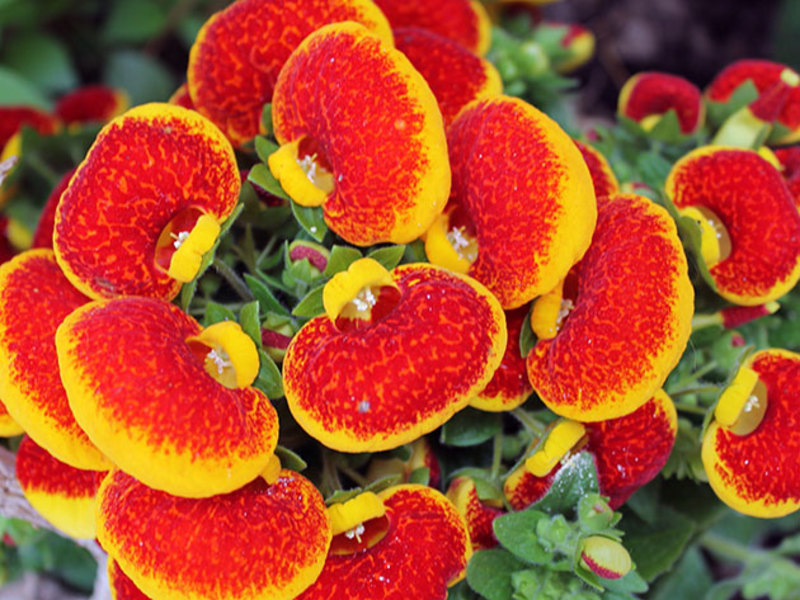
(384, 385)
(144, 166)
(235, 60)
(628, 452)
(603, 178)
(379, 130)
(631, 318)
(141, 394)
(757, 474)
(456, 76)
(43, 236)
(463, 21)
(63, 495)
(527, 193)
(655, 93)
(34, 299)
(425, 550)
(122, 587)
(260, 542)
(477, 515)
(509, 386)
(92, 104)
(752, 201)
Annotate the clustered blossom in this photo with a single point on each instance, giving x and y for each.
(146, 430)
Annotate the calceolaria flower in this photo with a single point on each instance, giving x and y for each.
(750, 448)
(478, 514)
(394, 357)
(406, 542)
(146, 203)
(609, 335)
(789, 161)
(749, 222)
(647, 97)
(91, 104)
(603, 178)
(369, 147)
(237, 55)
(522, 210)
(166, 400)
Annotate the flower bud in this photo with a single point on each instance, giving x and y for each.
(605, 557)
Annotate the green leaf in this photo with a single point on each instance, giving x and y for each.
(389, 256)
(141, 76)
(420, 475)
(341, 258)
(471, 427)
(645, 501)
(266, 121)
(375, 487)
(134, 21)
(248, 319)
(527, 339)
(653, 169)
(577, 477)
(655, 547)
(489, 573)
(42, 60)
(517, 532)
(290, 459)
(15, 89)
(311, 305)
(261, 176)
(415, 252)
(668, 128)
(269, 378)
(265, 147)
(689, 579)
(264, 295)
(311, 220)
(631, 583)
(718, 112)
(215, 313)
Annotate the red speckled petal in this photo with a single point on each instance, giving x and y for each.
(631, 318)
(425, 549)
(8, 426)
(181, 97)
(764, 74)
(235, 60)
(34, 299)
(92, 104)
(12, 118)
(43, 236)
(387, 384)
(790, 160)
(527, 192)
(145, 399)
(752, 201)
(654, 93)
(757, 474)
(603, 178)
(122, 587)
(628, 452)
(456, 76)
(477, 515)
(379, 129)
(63, 495)
(462, 21)
(144, 167)
(509, 386)
(261, 542)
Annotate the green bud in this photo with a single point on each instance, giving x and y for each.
(594, 513)
(605, 557)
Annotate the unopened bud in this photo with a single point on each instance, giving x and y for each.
(605, 557)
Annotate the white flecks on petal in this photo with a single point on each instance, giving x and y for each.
(364, 406)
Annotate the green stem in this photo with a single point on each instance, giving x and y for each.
(354, 475)
(330, 477)
(702, 321)
(694, 376)
(42, 169)
(690, 408)
(700, 389)
(497, 455)
(266, 251)
(233, 279)
(725, 548)
(529, 422)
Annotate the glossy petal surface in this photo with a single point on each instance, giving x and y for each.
(235, 60)
(143, 168)
(143, 396)
(403, 376)
(265, 542)
(631, 318)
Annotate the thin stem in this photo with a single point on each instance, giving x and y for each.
(694, 376)
(266, 251)
(497, 455)
(690, 408)
(354, 475)
(42, 169)
(233, 279)
(330, 476)
(702, 321)
(729, 549)
(528, 421)
(701, 389)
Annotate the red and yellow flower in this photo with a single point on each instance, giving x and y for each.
(647, 97)
(91, 104)
(603, 178)
(477, 514)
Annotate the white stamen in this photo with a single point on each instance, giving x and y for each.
(356, 532)
(179, 239)
(566, 307)
(456, 238)
(365, 300)
(752, 403)
(220, 360)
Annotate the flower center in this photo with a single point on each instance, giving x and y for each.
(742, 405)
(183, 242)
(227, 353)
(715, 245)
(304, 172)
(562, 442)
(451, 242)
(358, 524)
(360, 296)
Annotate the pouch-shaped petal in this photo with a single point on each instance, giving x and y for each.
(456, 75)
(751, 212)
(790, 161)
(424, 548)
(261, 542)
(13, 118)
(122, 587)
(63, 495)
(369, 146)
(431, 346)
(237, 55)
(151, 175)
(141, 390)
(628, 452)
(603, 178)
(91, 104)
(43, 235)
(477, 514)
(646, 97)
(34, 299)
(463, 21)
(750, 452)
(621, 320)
(522, 209)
